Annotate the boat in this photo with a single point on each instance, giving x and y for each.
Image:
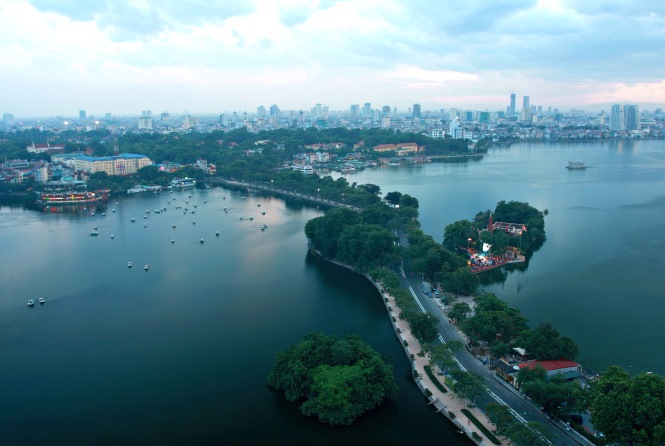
(146, 267)
(103, 214)
(94, 233)
(217, 233)
(129, 264)
(173, 226)
(112, 236)
(263, 227)
(112, 210)
(145, 225)
(306, 169)
(251, 218)
(575, 165)
(70, 195)
(31, 303)
(263, 213)
(182, 183)
(172, 240)
(201, 241)
(42, 301)
(193, 222)
(133, 219)
(135, 190)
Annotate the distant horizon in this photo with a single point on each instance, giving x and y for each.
(74, 116)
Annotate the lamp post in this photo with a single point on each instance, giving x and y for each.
(468, 241)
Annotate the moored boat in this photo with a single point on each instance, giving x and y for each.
(576, 165)
(31, 303)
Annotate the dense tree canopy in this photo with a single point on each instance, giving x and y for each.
(336, 380)
(629, 410)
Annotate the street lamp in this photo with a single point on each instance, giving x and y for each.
(468, 241)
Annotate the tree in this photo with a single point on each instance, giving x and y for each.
(500, 416)
(532, 433)
(457, 234)
(393, 197)
(371, 188)
(335, 380)
(423, 327)
(459, 312)
(545, 343)
(629, 410)
(468, 384)
(407, 200)
(443, 354)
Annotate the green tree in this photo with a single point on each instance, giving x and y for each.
(423, 326)
(393, 197)
(334, 380)
(459, 312)
(468, 384)
(629, 410)
(500, 416)
(532, 433)
(545, 343)
(443, 354)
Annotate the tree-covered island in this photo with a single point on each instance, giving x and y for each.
(335, 380)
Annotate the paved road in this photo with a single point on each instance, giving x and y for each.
(522, 410)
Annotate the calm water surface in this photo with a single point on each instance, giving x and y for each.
(179, 354)
(599, 276)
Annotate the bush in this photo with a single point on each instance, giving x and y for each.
(434, 379)
(428, 393)
(406, 344)
(476, 436)
(451, 414)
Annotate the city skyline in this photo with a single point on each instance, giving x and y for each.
(125, 56)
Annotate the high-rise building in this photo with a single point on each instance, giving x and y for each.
(455, 129)
(355, 110)
(274, 110)
(261, 112)
(526, 109)
(416, 110)
(8, 118)
(165, 117)
(82, 115)
(631, 115)
(617, 121)
(511, 111)
(385, 110)
(223, 120)
(145, 121)
(367, 110)
(385, 122)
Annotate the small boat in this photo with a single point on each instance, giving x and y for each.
(576, 165)
(243, 198)
(263, 228)
(251, 218)
(145, 216)
(146, 267)
(145, 225)
(173, 226)
(172, 240)
(223, 198)
(112, 236)
(94, 233)
(196, 205)
(112, 210)
(217, 233)
(201, 241)
(193, 222)
(258, 205)
(42, 301)
(225, 209)
(205, 201)
(129, 264)
(133, 219)
(103, 214)
(95, 228)
(263, 213)
(93, 214)
(31, 303)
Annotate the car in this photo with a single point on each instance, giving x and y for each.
(436, 293)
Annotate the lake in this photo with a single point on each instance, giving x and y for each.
(179, 354)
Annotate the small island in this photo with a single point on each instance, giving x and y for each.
(336, 380)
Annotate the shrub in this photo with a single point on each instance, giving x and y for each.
(434, 379)
(428, 393)
(480, 426)
(451, 414)
(475, 436)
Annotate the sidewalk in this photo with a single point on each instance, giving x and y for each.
(445, 403)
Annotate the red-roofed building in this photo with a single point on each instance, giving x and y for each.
(570, 369)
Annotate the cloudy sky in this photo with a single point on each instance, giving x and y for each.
(124, 56)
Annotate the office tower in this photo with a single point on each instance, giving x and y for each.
(355, 110)
(376, 115)
(511, 111)
(234, 118)
(326, 112)
(455, 129)
(318, 111)
(617, 122)
(385, 110)
(165, 117)
(274, 110)
(367, 110)
(8, 118)
(145, 121)
(416, 110)
(261, 112)
(223, 120)
(631, 114)
(526, 109)
(385, 122)
(82, 115)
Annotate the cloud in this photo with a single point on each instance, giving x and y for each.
(342, 51)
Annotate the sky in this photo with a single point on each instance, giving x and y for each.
(125, 56)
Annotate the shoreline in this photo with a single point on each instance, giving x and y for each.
(445, 403)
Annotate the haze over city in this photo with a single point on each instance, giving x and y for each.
(124, 56)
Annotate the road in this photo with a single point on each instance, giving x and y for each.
(523, 410)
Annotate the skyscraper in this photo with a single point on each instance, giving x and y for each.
(82, 115)
(355, 110)
(416, 110)
(631, 114)
(526, 109)
(617, 122)
(261, 111)
(274, 110)
(367, 110)
(511, 111)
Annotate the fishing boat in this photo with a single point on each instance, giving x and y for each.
(576, 165)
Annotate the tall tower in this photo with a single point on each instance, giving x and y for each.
(416, 110)
(82, 115)
(631, 115)
(617, 121)
(512, 104)
(526, 109)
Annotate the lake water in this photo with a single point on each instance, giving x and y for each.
(179, 354)
(599, 276)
